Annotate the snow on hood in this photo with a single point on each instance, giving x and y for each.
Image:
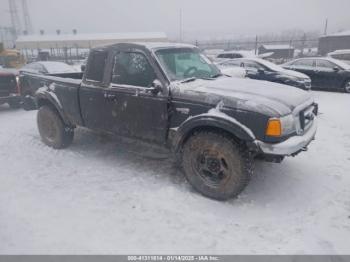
(264, 97)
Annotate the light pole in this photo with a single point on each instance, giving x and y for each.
(181, 34)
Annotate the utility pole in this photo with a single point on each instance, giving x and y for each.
(26, 17)
(15, 22)
(181, 25)
(326, 27)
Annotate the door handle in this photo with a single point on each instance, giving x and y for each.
(110, 97)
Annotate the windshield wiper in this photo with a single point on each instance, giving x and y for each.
(190, 79)
(217, 75)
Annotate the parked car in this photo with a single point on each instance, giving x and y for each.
(234, 71)
(343, 55)
(172, 95)
(8, 90)
(30, 86)
(325, 73)
(234, 54)
(264, 70)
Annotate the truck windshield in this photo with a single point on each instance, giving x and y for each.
(183, 63)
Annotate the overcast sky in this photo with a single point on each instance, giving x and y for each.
(200, 17)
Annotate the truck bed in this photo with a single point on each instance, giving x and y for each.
(63, 88)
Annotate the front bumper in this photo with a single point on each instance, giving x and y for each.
(291, 146)
(12, 98)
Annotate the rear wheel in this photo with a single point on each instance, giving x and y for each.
(215, 165)
(347, 86)
(52, 129)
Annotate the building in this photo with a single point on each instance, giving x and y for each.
(84, 41)
(278, 51)
(330, 43)
(69, 47)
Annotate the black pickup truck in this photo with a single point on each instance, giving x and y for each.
(172, 95)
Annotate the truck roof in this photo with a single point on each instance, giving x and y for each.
(150, 45)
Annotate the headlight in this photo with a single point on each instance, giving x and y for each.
(278, 127)
(288, 124)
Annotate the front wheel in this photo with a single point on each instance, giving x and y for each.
(215, 165)
(347, 86)
(52, 129)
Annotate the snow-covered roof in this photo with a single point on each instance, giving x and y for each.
(159, 45)
(340, 52)
(85, 40)
(343, 33)
(274, 47)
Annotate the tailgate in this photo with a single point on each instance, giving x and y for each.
(7, 84)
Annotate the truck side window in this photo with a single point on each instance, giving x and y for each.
(131, 68)
(96, 67)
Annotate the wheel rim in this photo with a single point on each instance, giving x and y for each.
(211, 166)
(347, 87)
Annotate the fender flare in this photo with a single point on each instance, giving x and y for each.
(220, 121)
(48, 97)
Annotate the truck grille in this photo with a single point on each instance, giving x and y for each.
(307, 116)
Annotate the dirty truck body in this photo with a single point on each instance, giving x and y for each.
(171, 95)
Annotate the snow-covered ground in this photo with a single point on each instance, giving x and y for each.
(108, 197)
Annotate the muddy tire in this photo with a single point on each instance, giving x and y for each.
(52, 129)
(215, 165)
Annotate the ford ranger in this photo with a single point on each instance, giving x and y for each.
(174, 96)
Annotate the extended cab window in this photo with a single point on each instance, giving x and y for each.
(132, 68)
(96, 66)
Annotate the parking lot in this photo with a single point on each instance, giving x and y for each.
(113, 196)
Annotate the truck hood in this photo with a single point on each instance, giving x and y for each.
(263, 97)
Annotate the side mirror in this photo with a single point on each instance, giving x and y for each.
(156, 87)
(336, 69)
(83, 67)
(261, 71)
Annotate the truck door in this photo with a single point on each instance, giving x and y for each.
(123, 105)
(94, 106)
(135, 110)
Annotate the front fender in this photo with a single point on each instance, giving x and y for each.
(218, 121)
